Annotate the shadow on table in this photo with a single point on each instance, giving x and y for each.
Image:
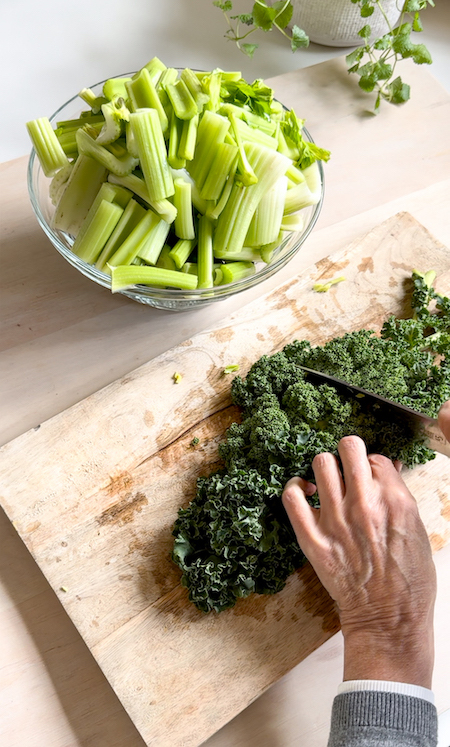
(94, 712)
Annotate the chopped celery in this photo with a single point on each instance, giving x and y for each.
(195, 88)
(188, 139)
(150, 249)
(292, 222)
(175, 132)
(294, 174)
(205, 258)
(47, 146)
(164, 208)
(126, 276)
(268, 250)
(211, 85)
(143, 95)
(181, 251)
(95, 102)
(82, 186)
(146, 127)
(115, 87)
(234, 220)
(155, 67)
(181, 99)
(100, 228)
(299, 197)
(247, 254)
(222, 165)
(211, 131)
(89, 147)
(58, 183)
(253, 135)
(236, 271)
(182, 200)
(129, 249)
(312, 176)
(107, 193)
(127, 223)
(165, 260)
(266, 222)
(190, 267)
(215, 210)
(246, 174)
(116, 114)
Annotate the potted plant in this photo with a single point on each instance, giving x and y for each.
(381, 30)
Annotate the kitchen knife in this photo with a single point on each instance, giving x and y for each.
(416, 420)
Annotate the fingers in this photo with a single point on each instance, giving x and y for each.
(301, 515)
(330, 484)
(444, 419)
(355, 464)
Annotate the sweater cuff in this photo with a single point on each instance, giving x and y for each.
(403, 688)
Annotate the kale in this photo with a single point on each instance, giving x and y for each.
(234, 537)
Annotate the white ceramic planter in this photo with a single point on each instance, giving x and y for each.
(335, 23)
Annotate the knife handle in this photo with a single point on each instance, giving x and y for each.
(436, 439)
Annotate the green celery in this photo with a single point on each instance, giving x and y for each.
(299, 197)
(245, 172)
(155, 238)
(182, 200)
(235, 218)
(181, 99)
(127, 276)
(108, 193)
(205, 257)
(181, 251)
(165, 260)
(173, 157)
(131, 216)
(58, 183)
(82, 186)
(164, 208)
(215, 209)
(266, 222)
(130, 141)
(211, 85)
(253, 135)
(312, 176)
(155, 67)
(128, 250)
(211, 131)
(247, 254)
(195, 88)
(116, 115)
(94, 101)
(101, 225)
(292, 222)
(143, 95)
(188, 139)
(235, 271)
(225, 157)
(190, 267)
(119, 166)
(46, 144)
(69, 125)
(217, 276)
(294, 174)
(115, 87)
(146, 127)
(268, 250)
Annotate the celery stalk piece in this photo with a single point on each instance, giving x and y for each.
(312, 176)
(128, 250)
(195, 88)
(164, 208)
(155, 67)
(168, 76)
(268, 250)
(155, 238)
(211, 131)
(48, 149)
(89, 147)
(130, 141)
(292, 222)
(182, 200)
(236, 271)
(95, 102)
(165, 260)
(68, 125)
(245, 172)
(188, 139)
(294, 174)
(83, 184)
(181, 251)
(114, 87)
(217, 276)
(211, 85)
(58, 183)
(205, 257)
(253, 135)
(116, 114)
(107, 193)
(176, 128)
(146, 127)
(225, 157)
(181, 99)
(266, 222)
(131, 216)
(191, 268)
(299, 197)
(143, 95)
(127, 276)
(100, 228)
(247, 254)
(198, 202)
(214, 210)
(235, 218)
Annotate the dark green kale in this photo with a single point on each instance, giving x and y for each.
(234, 538)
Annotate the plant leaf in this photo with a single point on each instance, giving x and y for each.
(299, 38)
(263, 16)
(284, 13)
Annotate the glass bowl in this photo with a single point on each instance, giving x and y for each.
(161, 298)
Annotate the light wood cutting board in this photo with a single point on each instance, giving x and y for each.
(94, 491)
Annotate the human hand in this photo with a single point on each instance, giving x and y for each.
(444, 419)
(370, 550)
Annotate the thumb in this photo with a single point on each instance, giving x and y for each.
(301, 515)
(444, 419)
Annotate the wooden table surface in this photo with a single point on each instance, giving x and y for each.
(63, 338)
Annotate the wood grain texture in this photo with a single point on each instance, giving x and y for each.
(94, 491)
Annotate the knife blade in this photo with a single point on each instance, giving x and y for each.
(418, 421)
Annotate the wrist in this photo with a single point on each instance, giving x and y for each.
(384, 655)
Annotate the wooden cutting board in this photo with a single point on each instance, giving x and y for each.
(94, 491)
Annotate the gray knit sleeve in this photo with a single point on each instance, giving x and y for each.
(382, 719)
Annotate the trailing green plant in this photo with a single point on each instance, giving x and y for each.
(375, 61)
